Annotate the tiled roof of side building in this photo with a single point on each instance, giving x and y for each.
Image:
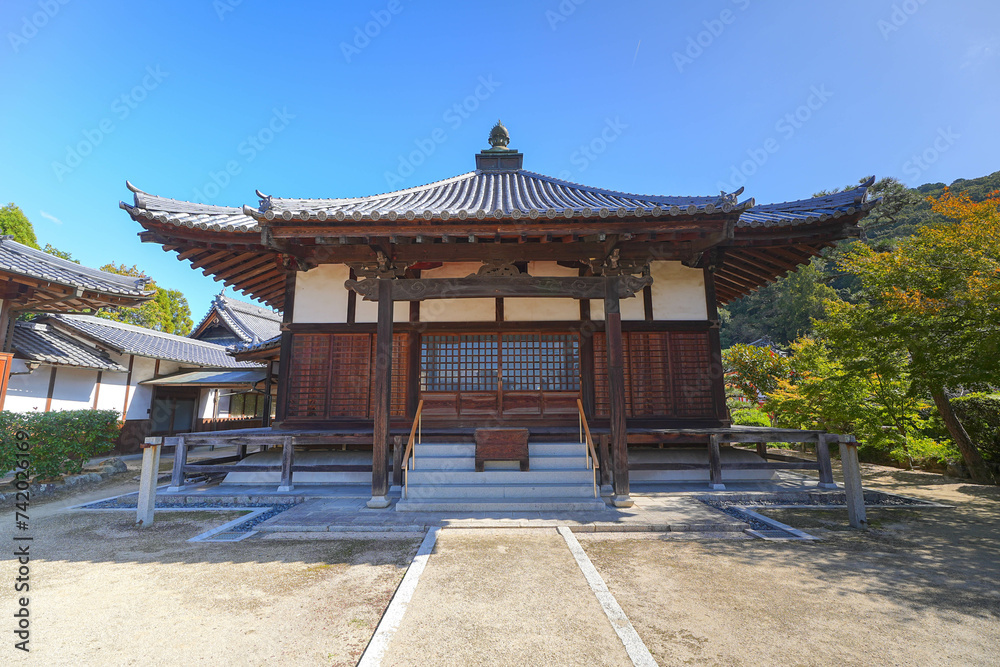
(41, 343)
(248, 321)
(20, 259)
(130, 339)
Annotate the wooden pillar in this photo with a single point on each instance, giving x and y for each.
(604, 451)
(852, 485)
(266, 418)
(716, 373)
(147, 481)
(762, 450)
(180, 460)
(616, 391)
(397, 460)
(823, 458)
(285, 356)
(715, 464)
(383, 391)
(287, 461)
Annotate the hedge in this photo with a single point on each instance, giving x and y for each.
(750, 417)
(980, 414)
(61, 442)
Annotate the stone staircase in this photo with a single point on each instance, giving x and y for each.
(443, 479)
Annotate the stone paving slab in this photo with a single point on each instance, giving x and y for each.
(667, 514)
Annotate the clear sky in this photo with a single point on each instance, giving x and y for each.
(208, 101)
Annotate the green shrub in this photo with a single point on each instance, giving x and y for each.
(61, 442)
(980, 414)
(750, 417)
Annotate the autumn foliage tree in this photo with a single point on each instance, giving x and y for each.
(936, 298)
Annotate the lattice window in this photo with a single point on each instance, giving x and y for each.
(459, 362)
(309, 375)
(692, 380)
(351, 380)
(541, 362)
(649, 365)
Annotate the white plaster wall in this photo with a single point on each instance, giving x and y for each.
(112, 396)
(540, 310)
(632, 308)
(206, 404)
(74, 389)
(140, 396)
(367, 311)
(320, 295)
(27, 392)
(678, 292)
(456, 310)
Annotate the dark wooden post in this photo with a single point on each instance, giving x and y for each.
(616, 390)
(180, 459)
(852, 485)
(604, 452)
(287, 461)
(266, 417)
(715, 464)
(762, 450)
(397, 460)
(823, 458)
(285, 357)
(383, 389)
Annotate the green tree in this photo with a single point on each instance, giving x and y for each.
(937, 298)
(167, 311)
(755, 371)
(52, 250)
(14, 222)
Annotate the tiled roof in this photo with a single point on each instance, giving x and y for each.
(20, 259)
(129, 339)
(477, 195)
(810, 210)
(249, 322)
(239, 378)
(259, 346)
(189, 214)
(39, 342)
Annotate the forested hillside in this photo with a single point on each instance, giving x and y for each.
(783, 310)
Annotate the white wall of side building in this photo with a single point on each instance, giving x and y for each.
(112, 394)
(26, 392)
(74, 389)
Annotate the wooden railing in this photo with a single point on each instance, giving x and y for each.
(592, 461)
(416, 432)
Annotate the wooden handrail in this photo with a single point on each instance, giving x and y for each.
(591, 452)
(416, 432)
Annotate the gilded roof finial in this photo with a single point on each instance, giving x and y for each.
(499, 137)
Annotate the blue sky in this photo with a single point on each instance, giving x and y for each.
(208, 101)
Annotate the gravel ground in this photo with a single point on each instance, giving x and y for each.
(921, 588)
(104, 592)
(504, 597)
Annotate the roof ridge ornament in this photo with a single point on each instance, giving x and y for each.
(499, 138)
(499, 157)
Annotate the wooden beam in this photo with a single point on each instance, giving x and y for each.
(52, 387)
(420, 289)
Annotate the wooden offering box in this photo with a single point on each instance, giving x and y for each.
(501, 444)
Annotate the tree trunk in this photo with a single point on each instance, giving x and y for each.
(970, 454)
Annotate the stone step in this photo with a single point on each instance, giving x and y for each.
(501, 491)
(520, 505)
(574, 462)
(437, 478)
(443, 463)
(557, 449)
(443, 449)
